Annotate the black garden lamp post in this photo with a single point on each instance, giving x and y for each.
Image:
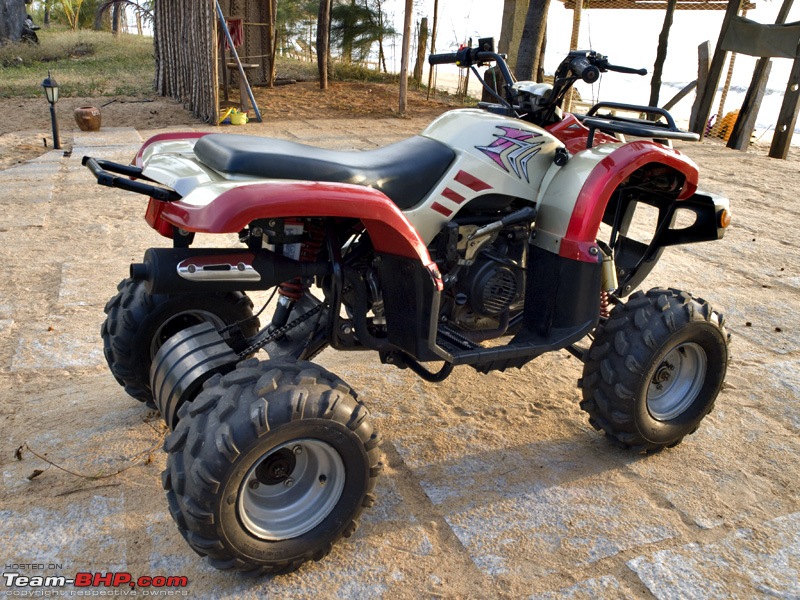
(51, 91)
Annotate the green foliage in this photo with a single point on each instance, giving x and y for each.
(355, 72)
(355, 28)
(84, 62)
(297, 19)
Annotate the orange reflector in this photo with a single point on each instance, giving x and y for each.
(724, 218)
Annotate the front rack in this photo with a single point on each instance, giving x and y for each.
(635, 127)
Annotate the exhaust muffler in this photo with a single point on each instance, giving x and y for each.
(182, 270)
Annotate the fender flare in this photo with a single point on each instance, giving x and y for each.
(579, 239)
(235, 208)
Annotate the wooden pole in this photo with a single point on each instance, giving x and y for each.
(787, 118)
(745, 123)
(707, 93)
(703, 65)
(681, 95)
(661, 54)
(576, 24)
(422, 47)
(433, 44)
(323, 42)
(573, 44)
(404, 57)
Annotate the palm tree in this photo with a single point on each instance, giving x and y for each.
(12, 16)
(143, 10)
(356, 28)
(530, 45)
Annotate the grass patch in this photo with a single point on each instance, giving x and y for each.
(84, 62)
(356, 72)
(301, 70)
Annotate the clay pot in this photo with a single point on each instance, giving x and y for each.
(88, 118)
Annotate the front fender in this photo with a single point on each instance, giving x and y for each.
(573, 203)
(229, 208)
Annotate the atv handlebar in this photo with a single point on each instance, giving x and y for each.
(586, 65)
(605, 66)
(583, 68)
(443, 59)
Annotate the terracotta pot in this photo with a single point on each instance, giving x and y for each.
(88, 118)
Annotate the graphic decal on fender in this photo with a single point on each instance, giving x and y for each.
(513, 149)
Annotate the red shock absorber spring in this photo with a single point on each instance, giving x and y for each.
(292, 289)
(309, 250)
(315, 240)
(604, 304)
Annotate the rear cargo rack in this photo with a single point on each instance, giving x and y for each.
(104, 170)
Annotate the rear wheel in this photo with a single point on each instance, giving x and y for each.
(138, 323)
(270, 465)
(655, 369)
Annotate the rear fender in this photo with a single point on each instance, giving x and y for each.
(572, 206)
(229, 208)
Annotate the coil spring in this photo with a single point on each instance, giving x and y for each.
(604, 304)
(309, 251)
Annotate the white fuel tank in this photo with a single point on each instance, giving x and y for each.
(521, 150)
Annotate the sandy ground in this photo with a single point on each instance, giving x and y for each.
(26, 132)
(495, 485)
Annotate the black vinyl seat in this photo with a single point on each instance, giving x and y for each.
(405, 171)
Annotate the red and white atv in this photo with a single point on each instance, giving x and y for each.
(511, 224)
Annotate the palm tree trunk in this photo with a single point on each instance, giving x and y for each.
(323, 41)
(530, 44)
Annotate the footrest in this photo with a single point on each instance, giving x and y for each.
(453, 342)
(184, 363)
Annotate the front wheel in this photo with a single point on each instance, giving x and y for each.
(270, 465)
(655, 369)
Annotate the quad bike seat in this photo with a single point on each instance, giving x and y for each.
(405, 171)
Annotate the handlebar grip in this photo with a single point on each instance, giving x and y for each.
(626, 70)
(443, 59)
(584, 69)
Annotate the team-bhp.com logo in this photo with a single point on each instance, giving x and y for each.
(94, 584)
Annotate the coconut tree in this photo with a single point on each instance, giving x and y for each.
(12, 16)
(533, 33)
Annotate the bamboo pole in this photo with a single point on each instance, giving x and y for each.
(409, 9)
(573, 44)
(433, 45)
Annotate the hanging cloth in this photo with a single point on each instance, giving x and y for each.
(236, 28)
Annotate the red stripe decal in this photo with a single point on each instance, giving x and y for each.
(473, 183)
(451, 195)
(441, 209)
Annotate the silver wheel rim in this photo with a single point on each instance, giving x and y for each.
(676, 381)
(280, 499)
(180, 321)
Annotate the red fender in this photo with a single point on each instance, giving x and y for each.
(604, 179)
(161, 137)
(574, 135)
(233, 210)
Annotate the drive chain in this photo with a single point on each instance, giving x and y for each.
(266, 336)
